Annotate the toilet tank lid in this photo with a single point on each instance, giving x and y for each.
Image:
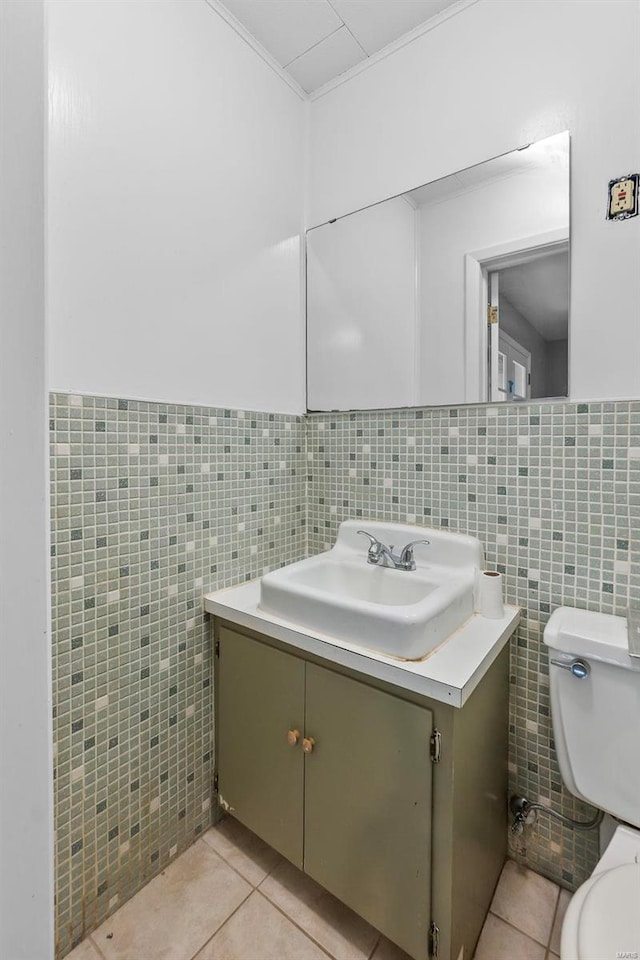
(598, 636)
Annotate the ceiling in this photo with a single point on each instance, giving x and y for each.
(539, 290)
(317, 40)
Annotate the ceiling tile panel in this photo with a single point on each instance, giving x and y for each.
(328, 59)
(376, 23)
(286, 27)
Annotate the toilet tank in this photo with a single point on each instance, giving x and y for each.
(596, 717)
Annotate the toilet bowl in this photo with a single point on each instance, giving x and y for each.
(595, 708)
(602, 921)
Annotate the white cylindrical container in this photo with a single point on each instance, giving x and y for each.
(489, 595)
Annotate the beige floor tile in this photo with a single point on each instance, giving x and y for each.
(84, 951)
(563, 903)
(499, 941)
(526, 900)
(388, 951)
(241, 848)
(174, 915)
(258, 931)
(336, 928)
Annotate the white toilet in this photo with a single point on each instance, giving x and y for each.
(595, 706)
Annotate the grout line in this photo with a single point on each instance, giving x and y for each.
(224, 923)
(308, 935)
(210, 850)
(254, 886)
(553, 922)
(94, 944)
(376, 945)
(145, 883)
(518, 929)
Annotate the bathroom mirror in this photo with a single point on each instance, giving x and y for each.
(454, 292)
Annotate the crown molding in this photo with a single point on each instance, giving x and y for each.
(392, 48)
(354, 71)
(257, 47)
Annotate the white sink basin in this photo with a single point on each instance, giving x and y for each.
(404, 614)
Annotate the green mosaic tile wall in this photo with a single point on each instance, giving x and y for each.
(553, 493)
(152, 505)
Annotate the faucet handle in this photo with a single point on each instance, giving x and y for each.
(406, 556)
(374, 546)
(363, 533)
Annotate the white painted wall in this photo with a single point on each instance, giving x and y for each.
(361, 309)
(490, 215)
(557, 365)
(493, 77)
(519, 329)
(175, 208)
(26, 795)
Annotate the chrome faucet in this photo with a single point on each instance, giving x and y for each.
(382, 555)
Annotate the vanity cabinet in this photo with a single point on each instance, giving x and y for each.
(368, 803)
(343, 776)
(260, 701)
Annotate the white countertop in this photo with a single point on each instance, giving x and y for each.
(450, 673)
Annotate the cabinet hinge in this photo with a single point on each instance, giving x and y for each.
(436, 746)
(215, 783)
(434, 940)
(216, 648)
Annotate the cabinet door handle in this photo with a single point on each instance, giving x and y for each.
(292, 737)
(308, 744)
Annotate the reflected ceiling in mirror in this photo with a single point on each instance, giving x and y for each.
(454, 292)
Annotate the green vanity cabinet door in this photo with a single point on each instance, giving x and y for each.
(260, 694)
(368, 804)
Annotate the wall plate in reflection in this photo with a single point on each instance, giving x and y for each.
(623, 197)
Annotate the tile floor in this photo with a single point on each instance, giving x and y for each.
(230, 897)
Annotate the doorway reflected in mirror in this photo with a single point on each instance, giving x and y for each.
(397, 293)
(532, 298)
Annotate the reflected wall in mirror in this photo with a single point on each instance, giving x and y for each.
(455, 292)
